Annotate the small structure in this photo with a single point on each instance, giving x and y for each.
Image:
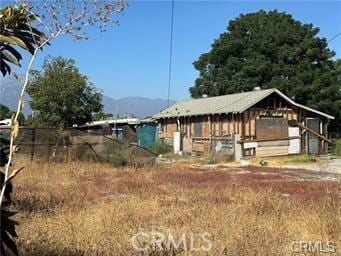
(122, 129)
(258, 123)
(147, 133)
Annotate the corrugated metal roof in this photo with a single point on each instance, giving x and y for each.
(230, 103)
(131, 121)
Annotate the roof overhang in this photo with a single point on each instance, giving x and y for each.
(267, 92)
(293, 103)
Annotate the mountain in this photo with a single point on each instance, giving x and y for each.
(136, 106)
(10, 89)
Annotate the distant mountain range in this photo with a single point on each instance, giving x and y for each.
(9, 93)
(135, 106)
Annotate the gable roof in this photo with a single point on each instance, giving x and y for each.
(231, 103)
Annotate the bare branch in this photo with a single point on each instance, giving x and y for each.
(72, 17)
(60, 17)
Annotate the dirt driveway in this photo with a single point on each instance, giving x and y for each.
(331, 165)
(334, 166)
(288, 181)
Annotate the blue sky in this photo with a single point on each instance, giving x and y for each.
(132, 59)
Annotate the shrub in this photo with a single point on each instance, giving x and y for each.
(118, 159)
(161, 148)
(336, 150)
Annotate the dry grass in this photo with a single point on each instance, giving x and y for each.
(301, 159)
(94, 209)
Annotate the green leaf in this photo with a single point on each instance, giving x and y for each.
(9, 58)
(13, 51)
(13, 40)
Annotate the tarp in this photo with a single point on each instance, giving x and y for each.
(146, 135)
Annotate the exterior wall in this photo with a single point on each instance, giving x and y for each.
(169, 126)
(220, 126)
(213, 125)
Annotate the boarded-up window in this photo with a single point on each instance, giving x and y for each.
(313, 140)
(197, 127)
(272, 128)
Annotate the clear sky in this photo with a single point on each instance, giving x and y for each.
(132, 59)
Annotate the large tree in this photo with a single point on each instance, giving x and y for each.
(271, 50)
(61, 96)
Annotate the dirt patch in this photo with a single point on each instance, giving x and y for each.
(298, 183)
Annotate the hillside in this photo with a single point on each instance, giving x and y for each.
(136, 106)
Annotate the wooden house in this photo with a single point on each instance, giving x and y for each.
(264, 122)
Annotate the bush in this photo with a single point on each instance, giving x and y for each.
(118, 159)
(161, 148)
(337, 148)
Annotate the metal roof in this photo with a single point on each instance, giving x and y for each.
(231, 103)
(131, 121)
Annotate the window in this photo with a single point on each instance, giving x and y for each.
(197, 127)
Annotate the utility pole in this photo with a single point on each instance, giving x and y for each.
(115, 124)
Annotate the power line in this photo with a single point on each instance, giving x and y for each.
(334, 37)
(170, 54)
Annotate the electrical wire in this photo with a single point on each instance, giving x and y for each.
(334, 37)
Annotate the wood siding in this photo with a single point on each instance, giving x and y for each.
(245, 124)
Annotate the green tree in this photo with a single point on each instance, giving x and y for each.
(336, 126)
(102, 116)
(271, 50)
(61, 96)
(6, 113)
(16, 31)
(338, 70)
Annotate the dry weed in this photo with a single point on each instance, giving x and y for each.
(95, 209)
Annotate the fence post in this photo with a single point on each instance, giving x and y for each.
(69, 145)
(49, 145)
(237, 148)
(33, 143)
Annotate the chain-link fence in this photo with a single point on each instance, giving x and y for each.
(62, 145)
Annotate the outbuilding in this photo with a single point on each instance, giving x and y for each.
(122, 128)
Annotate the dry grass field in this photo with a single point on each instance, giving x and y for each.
(96, 209)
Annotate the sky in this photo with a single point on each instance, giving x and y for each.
(132, 59)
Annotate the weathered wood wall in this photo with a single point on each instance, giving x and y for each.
(212, 125)
(226, 124)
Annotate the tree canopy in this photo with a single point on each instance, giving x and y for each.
(61, 96)
(271, 50)
(102, 116)
(6, 113)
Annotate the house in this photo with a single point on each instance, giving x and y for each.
(255, 123)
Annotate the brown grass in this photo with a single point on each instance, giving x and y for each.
(95, 209)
